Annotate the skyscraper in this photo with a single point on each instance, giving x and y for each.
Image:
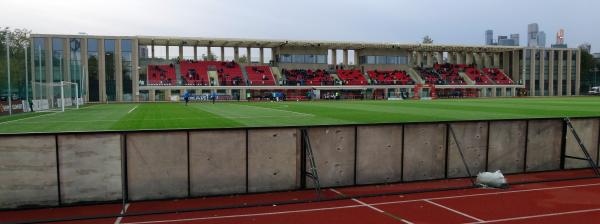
(560, 37)
(541, 39)
(489, 37)
(515, 38)
(532, 35)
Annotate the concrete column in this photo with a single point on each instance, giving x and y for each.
(208, 52)
(429, 59)
(450, 58)
(243, 95)
(118, 72)
(261, 56)
(484, 92)
(85, 69)
(167, 95)
(49, 76)
(542, 71)
(494, 91)
(195, 52)
(222, 54)
(236, 54)
(152, 95)
(503, 89)
(514, 91)
(569, 72)
(333, 56)
(135, 72)
(356, 55)
(167, 51)
(152, 49)
(101, 71)
(469, 58)
(34, 71)
(532, 72)
(274, 52)
(506, 62)
(516, 67)
(66, 60)
(249, 55)
(551, 76)
(577, 72)
(180, 52)
(419, 59)
(345, 57)
(496, 60)
(559, 88)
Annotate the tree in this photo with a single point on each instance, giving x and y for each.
(210, 57)
(242, 59)
(427, 40)
(18, 39)
(588, 64)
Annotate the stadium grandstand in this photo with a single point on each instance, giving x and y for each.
(129, 68)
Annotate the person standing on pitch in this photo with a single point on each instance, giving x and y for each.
(214, 97)
(30, 104)
(186, 97)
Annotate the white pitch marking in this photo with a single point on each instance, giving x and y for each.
(368, 205)
(132, 109)
(49, 113)
(542, 215)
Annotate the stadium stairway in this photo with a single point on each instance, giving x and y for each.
(276, 75)
(244, 72)
(466, 78)
(412, 73)
(215, 76)
(178, 74)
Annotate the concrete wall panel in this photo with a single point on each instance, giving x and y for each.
(544, 140)
(28, 171)
(333, 149)
(424, 152)
(587, 129)
(217, 162)
(273, 159)
(507, 146)
(379, 154)
(157, 165)
(472, 138)
(90, 167)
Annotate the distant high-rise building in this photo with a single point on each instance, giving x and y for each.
(515, 38)
(532, 35)
(541, 39)
(586, 47)
(489, 37)
(560, 37)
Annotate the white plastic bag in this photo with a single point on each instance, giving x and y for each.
(488, 179)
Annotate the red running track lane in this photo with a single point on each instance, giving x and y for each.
(550, 202)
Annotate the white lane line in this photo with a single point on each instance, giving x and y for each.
(355, 206)
(248, 215)
(49, 113)
(455, 211)
(370, 206)
(541, 216)
(285, 111)
(118, 221)
(132, 109)
(491, 193)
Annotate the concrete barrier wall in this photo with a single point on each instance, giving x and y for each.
(424, 152)
(379, 154)
(334, 152)
(90, 167)
(273, 159)
(472, 138)
(28, 174)
(544, 140)
(587, 129)
(176, 164)
(217, 162)
(507, 146)
(157, 165)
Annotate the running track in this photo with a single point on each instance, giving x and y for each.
(572, 201)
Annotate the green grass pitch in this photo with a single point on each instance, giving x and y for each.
(144, 116)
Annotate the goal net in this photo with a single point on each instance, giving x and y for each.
(56, 96)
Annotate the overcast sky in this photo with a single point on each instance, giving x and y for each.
(405, 21)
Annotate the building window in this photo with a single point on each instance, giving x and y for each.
(127, 68)
(109, 68)
(92, 69)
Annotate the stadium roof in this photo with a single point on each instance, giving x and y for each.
(269, 43)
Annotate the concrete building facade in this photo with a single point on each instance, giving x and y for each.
(113, 68)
